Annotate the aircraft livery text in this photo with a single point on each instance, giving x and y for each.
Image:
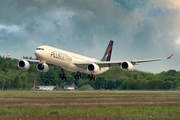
(61, 56)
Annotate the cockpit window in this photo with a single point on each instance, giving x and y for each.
(39, 48)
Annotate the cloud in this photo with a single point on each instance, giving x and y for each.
(167, 4)
(140, 29)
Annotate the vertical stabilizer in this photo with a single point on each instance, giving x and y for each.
(107, 55)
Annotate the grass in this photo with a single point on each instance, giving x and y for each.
(123, 105)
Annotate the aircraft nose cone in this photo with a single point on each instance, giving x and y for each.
(37, 53)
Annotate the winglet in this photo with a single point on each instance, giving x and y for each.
(170, 56)
(8, 54)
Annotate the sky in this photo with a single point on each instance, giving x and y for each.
(140, 29)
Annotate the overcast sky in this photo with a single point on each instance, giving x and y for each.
(140, 29)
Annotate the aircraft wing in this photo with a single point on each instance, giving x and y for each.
(29, 60)
(117, 63)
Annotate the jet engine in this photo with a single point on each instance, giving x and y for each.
(23, 64)
(127, 66)
(93, 67)
(42, 67)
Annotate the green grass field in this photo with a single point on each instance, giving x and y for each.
(131, 105)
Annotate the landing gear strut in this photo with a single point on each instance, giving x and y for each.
(91, 77)
(62, 76)
(78, 75)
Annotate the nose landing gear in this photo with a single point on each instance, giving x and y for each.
(62, 76)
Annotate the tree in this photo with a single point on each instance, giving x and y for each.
(155, 84)
(17, 82)
(86, 88)
(130, 84)
(91, 83)
(56, 87)
(111, 84)
(118, 82)
(2, 80)
(138, 84)
(25, 83)
(101, 82)
(70, 78)
(144, 84)
(151, 77)
(80, 83)
(124, 84)
(171, 73)
(176, 84)
(168, 85)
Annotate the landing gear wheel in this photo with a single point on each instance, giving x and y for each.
(91, 77)
(78, 76)
(75, 77)
(60, 75)
(63, 76)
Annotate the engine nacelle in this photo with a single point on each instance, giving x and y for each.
(23, 64)
(42, 67)
(127, 66)
(93, 67)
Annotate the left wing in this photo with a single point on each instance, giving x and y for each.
(116, 63)
(29, 60)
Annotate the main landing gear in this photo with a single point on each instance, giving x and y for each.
(78, 75)
(62, 76)
(91, 77)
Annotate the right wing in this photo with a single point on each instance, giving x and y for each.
(116, 63)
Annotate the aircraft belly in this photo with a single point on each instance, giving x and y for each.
(74, 68)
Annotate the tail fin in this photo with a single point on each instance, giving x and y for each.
(107, 55)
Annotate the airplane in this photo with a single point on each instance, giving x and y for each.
(50, 56)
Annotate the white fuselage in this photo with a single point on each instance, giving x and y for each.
(65, 59)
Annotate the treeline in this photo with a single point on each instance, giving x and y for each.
(12, 77)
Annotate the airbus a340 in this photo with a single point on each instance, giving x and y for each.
(50, 56)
